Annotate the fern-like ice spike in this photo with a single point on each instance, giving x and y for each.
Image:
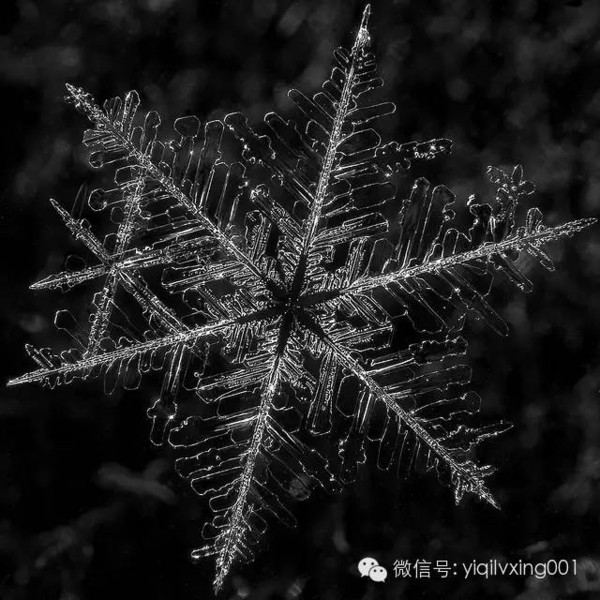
(173, 167)
(103, 301)
(407, 436)
(437, 271)
(246, 458)
(329, 163)
(272, 273)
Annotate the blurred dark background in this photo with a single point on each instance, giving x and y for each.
(89, 509)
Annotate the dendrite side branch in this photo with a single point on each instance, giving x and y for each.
(366, 284)
(97, 116)
(187, 336)
(228, 549)
(312, 224)
(345, 360)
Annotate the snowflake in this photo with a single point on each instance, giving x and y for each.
(274, 289)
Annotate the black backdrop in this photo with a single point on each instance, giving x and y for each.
(89, 509)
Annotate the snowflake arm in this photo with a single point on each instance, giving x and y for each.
(531, 241)
(438, 266)
(465, 475)
(115, 139)
(59, 369)
(246, 460)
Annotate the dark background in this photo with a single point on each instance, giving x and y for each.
(89, 509)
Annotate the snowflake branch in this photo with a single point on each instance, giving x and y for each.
(84, 102)
(229, 540)
(465, 476)
(98, 360)
(81, 233)
(362, 38)
(127, 261)
(312, 224)
(70, 279)
(364, 285)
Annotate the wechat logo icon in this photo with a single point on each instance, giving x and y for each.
(369, 567)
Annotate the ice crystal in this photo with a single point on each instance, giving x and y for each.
(267, 289)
